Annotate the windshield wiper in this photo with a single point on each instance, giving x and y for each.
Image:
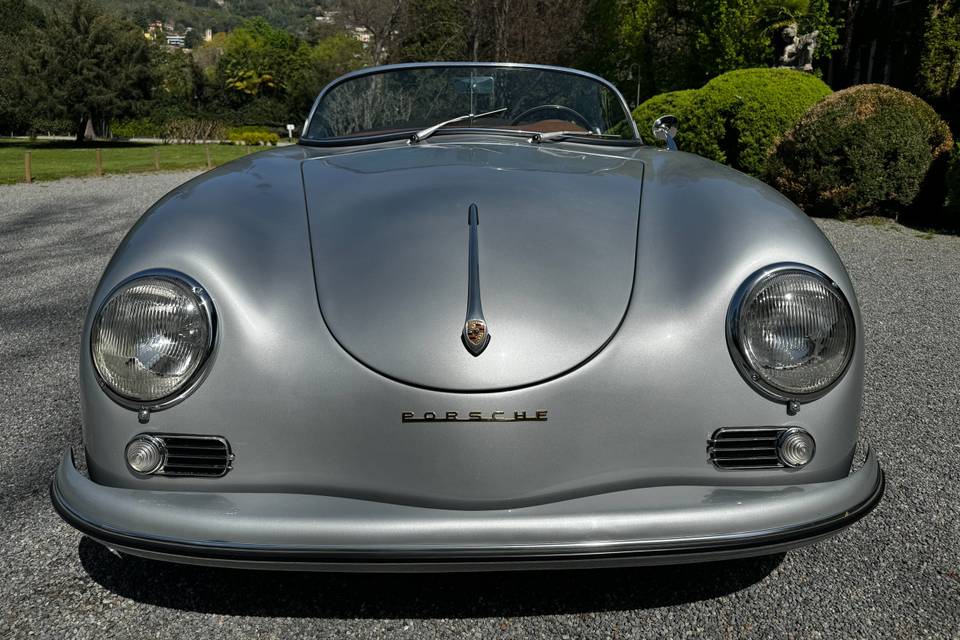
(423, 134)
(557, 135)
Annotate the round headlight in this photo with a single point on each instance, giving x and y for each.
(791, 331)
(151, 337)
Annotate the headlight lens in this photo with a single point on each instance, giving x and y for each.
(151, 337)
(793, 331)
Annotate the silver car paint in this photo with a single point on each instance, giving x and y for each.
(557, 238)
(298, 531)
(305, 416)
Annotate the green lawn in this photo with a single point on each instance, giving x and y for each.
(53, 159)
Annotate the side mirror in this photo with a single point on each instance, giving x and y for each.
(665, 129)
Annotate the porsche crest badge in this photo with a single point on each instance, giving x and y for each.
(475, 335)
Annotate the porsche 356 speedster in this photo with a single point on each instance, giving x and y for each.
(470, 321)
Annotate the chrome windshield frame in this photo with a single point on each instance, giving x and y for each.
(361, 139)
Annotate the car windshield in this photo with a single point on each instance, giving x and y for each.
(404, 100)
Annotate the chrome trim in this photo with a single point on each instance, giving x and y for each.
(665, 129)
(714, 452)
(715, 437)
(160, 440)
(734, 346)
(162, 471)
(813, 447)
(154, 440)
(428, 65)
(204, 301)
(474, 324)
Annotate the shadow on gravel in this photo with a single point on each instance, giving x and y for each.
(449, 595)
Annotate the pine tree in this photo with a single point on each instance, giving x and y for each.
(86, 65)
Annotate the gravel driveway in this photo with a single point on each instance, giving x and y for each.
(896, 573)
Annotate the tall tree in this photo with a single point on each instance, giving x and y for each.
(662, 45)
(269, 74)
(86, 66)
(16, 19)
(940, 61)
(178, 81)
(881, 41)
(257, 59)
(433, 30)
(317, 66)
(380, 18)
(536, 31)
(541, 31)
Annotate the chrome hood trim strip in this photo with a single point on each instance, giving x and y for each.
(475, 335)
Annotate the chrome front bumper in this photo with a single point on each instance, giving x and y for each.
(656, 525)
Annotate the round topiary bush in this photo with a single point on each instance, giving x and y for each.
(756, 107)
(866, 150)
(682, 104)
(738, 116)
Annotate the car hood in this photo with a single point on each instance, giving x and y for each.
(556, 247)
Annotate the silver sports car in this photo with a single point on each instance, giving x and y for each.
(470, 322)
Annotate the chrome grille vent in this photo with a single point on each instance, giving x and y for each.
(745, 447)
(195, 455)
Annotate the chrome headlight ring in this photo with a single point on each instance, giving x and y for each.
(189, 287)
(745, 360)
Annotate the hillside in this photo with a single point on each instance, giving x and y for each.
(219, 15)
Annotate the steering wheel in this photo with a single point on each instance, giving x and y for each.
(574, 116)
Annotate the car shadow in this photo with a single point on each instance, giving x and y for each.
(445, 595)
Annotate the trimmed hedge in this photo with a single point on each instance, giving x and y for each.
(52, 126)
(867, 150)
(737, 117)
(138, 128)
(252, 137)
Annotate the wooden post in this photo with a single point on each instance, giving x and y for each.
(156, 159)
(99, 163)
(27, 167)
(206, 148)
